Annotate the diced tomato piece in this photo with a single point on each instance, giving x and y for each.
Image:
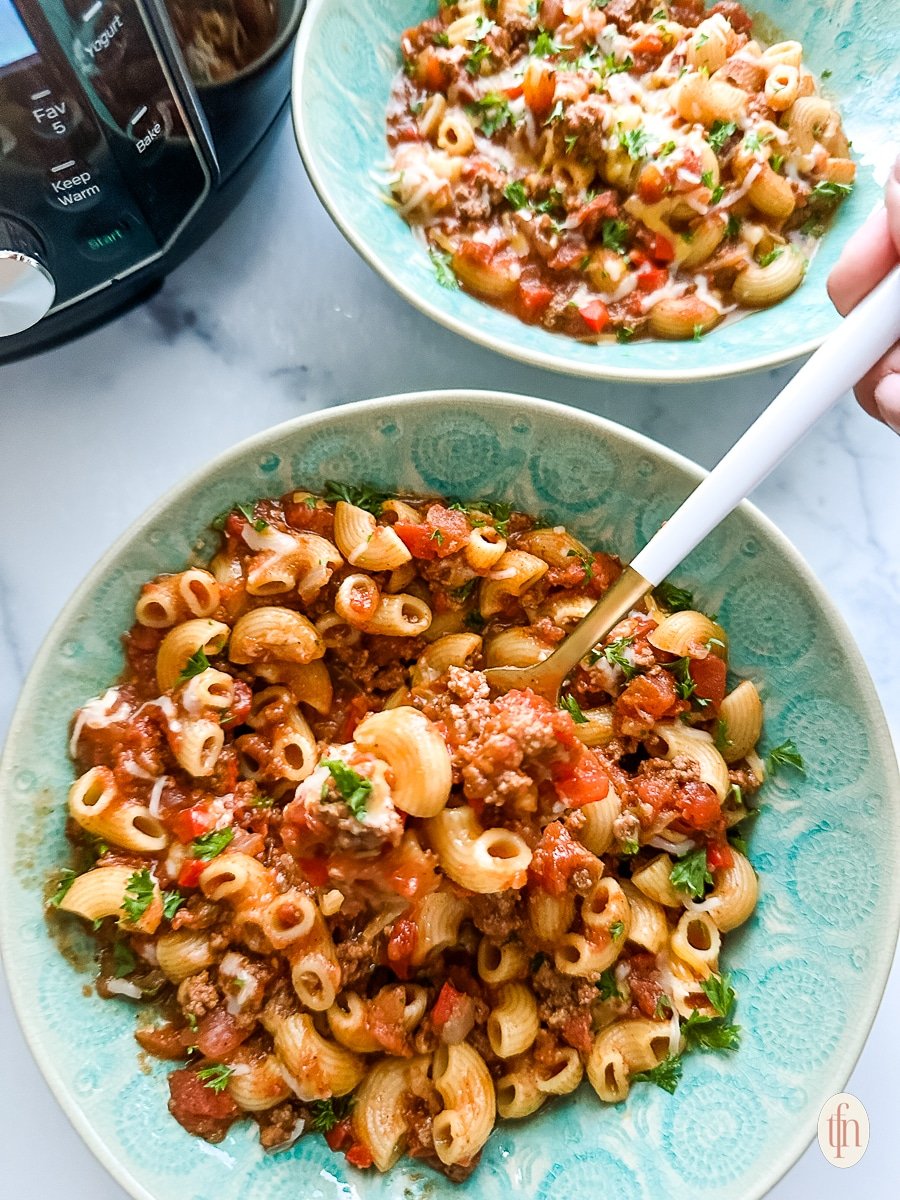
(657, 791)
(576, 1031)
(719, 854)
(189, 875)
(446, 1004)
(315, 870)
(219, 1035)
(162, 1041)
(432, 72)
(539, 88)
(353, 714)
(637, 257)
(234, 525)
(514, 92)
(449, 529)
(534, 297)
(339, 1134)
(192, 822)
(650, 43)
(651, 184)
(652, 278)
(662, 249)
(202, 1111)
(709, 675)
(359, 1156)
(582, 781)
(699, 805)
(315, 519)
(240, 705)
(385, 1020)
(417, 539)
(557, 857)
(648, 698)
(595, 315)
(401, 946)
(409, 872)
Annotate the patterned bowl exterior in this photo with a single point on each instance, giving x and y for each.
(809, 968)
(347, 53)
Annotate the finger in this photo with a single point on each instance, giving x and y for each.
(892, 205)
(878, 392)
(865, 260)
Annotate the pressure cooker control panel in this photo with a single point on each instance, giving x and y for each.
(101, 157)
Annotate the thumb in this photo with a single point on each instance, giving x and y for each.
(892, 204)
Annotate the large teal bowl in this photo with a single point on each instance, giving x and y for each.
(347, 54)
(809, 968)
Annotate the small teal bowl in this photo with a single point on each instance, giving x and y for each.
(809, 967)
(346, 56)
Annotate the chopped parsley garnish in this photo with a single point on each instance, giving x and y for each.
(614, 654)
(480, 52)
(830, 192)
(586, 561)
(247, 512)
(717, 190)
(625, 334)
(663, 1007)
(328, 1113)
(124, 960)
(719, 133)
(195, 665)
(556, 113)
(216, 1077)
(629, 847)
(208, 845)
(441, 39)
(361, 497)
(666, 1075)
(354, 789)
(498, 510)
(754, 142)
(465, 590)
(733, 227)
(812, 228)
(691, 874)
(710, 1033)
(544, 45)
(735, 794)
(616, 930)
(172, 901)
(475, 621)
(552, 200)
(702, 39)
(675, 599)
(66, 878)
(720, 993)
(608, 986)
(515, 193)
(492, 112)
(570, 142)
(573, 708)
(634, 141)
(697, 334)
(665, 150)
(773, 254)
(261, 801)
(611, 65)
(786, 755)
(737, 833)
(443, 271)
(437, 536)
(614, 235)
(138, 895)
(776, 162)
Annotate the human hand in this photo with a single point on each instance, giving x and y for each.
(868, 256)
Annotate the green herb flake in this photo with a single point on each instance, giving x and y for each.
(211, 844)
(675, 599)
(663, 1008)
(611, 65)
(195, 665)
(629, 847)
(720, 993)
(710, 1033)
(570, 142)
(776, 162)
(353, 788)
(138, 894)
(443, 271)
(625, 334)
(66, 878)
(441, 39)
(608, 986)
(614, 235)
(172, 901)
(828, 192)
(216, 1077)
(544, 45)
(261, 801)
(360, 497)
(124, 960)
(614, 654)
(515, 193)
(685, 685)
(721, 738)
(634, 141)
(666, 1075)
(768, 259)
(697, 334)
(573, 708)
(616, 930)
(691, 874)
(786, 755)
(754, 142)
(249, 515)
(733, 227)
(665, 150)
(492, 112)
(325, 1114)
(480, 53)
(556, 113)
(826, 74)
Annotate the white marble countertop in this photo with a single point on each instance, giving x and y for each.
(274, 317)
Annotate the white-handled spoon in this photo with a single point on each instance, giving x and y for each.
(841, 361)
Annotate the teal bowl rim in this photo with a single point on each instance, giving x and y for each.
(843, 1061)
(537, 358)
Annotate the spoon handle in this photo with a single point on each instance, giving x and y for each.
(839, 363)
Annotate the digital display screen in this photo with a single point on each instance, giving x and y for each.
(15, 42)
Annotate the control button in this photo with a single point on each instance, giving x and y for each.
(101, 41)
(149, 126)
(27, 289)
(108, 240)
(53, 115)
(73, 185)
